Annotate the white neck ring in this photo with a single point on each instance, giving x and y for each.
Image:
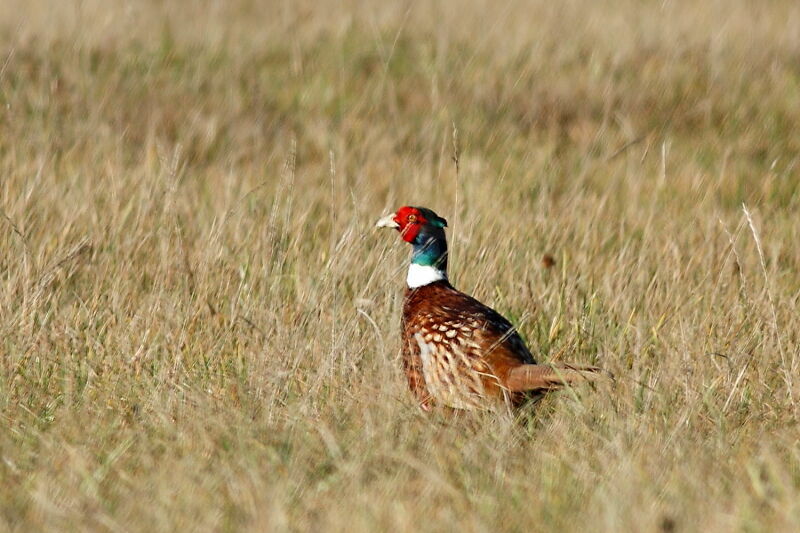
(420, 275)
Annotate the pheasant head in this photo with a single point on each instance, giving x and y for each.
(424, 230)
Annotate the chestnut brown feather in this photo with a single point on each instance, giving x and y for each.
(548, 377)
(458, 352)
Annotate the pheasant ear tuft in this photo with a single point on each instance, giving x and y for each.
(432, 218)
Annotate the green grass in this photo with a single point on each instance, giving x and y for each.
(199, 327)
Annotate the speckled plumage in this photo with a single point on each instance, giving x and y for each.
(458, 352)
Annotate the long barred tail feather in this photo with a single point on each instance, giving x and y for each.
(549, 377)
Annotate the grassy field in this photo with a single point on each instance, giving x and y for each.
(199, 326)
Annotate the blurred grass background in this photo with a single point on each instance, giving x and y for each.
(199, 327)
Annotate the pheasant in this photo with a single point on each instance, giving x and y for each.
(458, 352)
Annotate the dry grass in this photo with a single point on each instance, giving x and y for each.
(199, 327)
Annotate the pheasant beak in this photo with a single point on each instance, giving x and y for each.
(387, 222)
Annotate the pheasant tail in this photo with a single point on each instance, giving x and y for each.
(548, 377)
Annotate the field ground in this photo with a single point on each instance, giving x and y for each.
(199, 326)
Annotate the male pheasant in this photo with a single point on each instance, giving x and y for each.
(458, 352)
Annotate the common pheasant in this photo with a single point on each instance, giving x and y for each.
(458, 352)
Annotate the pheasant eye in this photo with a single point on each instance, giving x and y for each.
(412, 218)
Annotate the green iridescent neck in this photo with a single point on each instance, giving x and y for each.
(430, 249)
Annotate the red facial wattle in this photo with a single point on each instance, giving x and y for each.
(410, 232)
(410, 221)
